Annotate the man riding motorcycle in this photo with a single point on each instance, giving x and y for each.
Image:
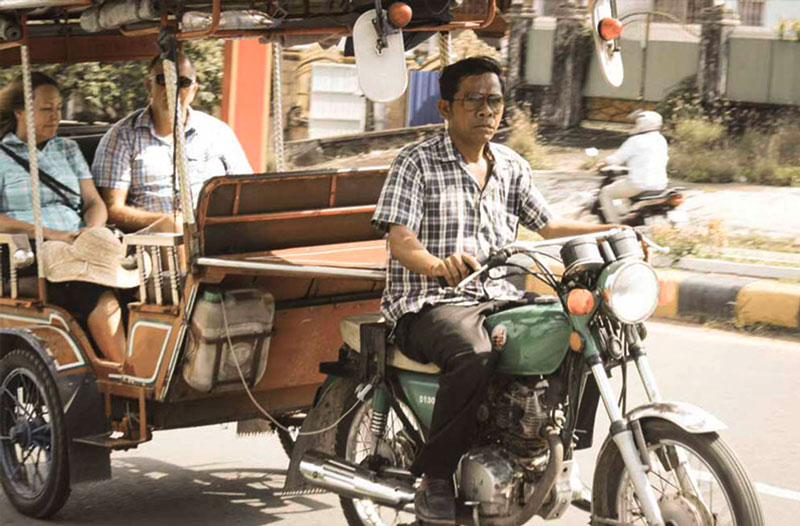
(645, 154)
(447, 203)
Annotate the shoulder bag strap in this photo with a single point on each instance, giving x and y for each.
(59, 188)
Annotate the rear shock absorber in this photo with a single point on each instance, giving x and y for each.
(380, 416)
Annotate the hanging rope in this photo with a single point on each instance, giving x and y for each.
(445, 49)
(33, 159)
(277, 107)
(179, 136)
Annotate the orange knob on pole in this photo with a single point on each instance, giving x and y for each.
(400, 14)
(610, 28)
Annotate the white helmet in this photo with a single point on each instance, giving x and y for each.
(646, 121)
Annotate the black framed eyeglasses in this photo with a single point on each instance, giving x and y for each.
(475, 101)
(183, 82)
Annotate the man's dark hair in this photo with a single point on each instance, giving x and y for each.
(451, 76)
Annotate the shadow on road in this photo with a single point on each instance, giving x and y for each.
(144, 491)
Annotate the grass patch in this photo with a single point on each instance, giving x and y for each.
(760, 242)
(701, 240)
(522, 139)
(721, 142)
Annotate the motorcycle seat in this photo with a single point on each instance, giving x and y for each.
(350, 327)
(650, 195)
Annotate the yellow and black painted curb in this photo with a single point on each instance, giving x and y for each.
(744, 301)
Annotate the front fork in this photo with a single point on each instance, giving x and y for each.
(627, 436)
(686, 477)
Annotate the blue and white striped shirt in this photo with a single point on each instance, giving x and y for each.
(131, 156)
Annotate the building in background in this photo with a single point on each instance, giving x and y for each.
(764, 13)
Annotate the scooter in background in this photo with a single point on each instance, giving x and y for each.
(646, 208)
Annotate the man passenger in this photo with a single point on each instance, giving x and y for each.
(133, 163)
(447, 203)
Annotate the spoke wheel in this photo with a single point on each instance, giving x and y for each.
(720, 493)
(33, 446)
(354, 442)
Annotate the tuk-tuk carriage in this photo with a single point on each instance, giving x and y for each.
(237, 311)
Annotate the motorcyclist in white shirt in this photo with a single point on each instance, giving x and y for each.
(645, 155)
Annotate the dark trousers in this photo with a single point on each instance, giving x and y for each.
(452, 337)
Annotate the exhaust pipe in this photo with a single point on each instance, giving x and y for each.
(357, 482)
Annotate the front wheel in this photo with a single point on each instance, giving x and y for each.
(34, 468)
(697, 479)
(354, 442)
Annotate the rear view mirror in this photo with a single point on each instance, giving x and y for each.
(607, 30)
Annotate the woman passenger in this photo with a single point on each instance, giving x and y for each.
(65, 211)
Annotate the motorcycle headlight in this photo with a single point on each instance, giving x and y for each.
(630, 291)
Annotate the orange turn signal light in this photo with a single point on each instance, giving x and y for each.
(676, 200)
(400, 14)
(610, 28)
(580, 302)
(575, 342)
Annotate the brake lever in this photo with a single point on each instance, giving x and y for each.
(472, 277)
(655, 247)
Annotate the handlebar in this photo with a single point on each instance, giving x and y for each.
(502, 255)
(499, 257)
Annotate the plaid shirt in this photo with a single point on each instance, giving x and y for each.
(60, 158)
(430, 191)
(132, 157)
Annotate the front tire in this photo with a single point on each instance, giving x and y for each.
(34, 466)
(726, 496)
(353, 443)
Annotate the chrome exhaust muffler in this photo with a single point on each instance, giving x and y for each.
(357, 482)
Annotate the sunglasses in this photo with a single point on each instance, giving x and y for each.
(183, 82)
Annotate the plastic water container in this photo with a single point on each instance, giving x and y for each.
(209, 359)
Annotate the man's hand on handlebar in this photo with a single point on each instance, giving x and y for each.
(454, 268)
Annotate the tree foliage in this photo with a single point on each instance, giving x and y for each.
(107, 91)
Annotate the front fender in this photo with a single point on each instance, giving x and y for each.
(688, 417)
(81, 402)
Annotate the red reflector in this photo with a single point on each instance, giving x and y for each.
(610, 28)
(580, 302)
(400, 14)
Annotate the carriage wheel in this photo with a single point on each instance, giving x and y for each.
(34, 469)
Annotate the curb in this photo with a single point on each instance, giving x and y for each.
(744, 301)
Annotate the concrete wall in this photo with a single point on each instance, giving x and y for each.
(762, 69)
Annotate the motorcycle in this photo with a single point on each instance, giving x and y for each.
(647, 207)
(663, 463)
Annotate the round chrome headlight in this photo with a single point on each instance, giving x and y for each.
(631, 291)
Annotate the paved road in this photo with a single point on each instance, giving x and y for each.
(209, 477)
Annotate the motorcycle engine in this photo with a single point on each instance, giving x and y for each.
(520, 411)
(496, 474)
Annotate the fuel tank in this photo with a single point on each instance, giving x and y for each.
(532, 339)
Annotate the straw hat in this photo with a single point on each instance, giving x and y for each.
(95, 256)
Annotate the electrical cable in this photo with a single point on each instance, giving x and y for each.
(255, 402)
